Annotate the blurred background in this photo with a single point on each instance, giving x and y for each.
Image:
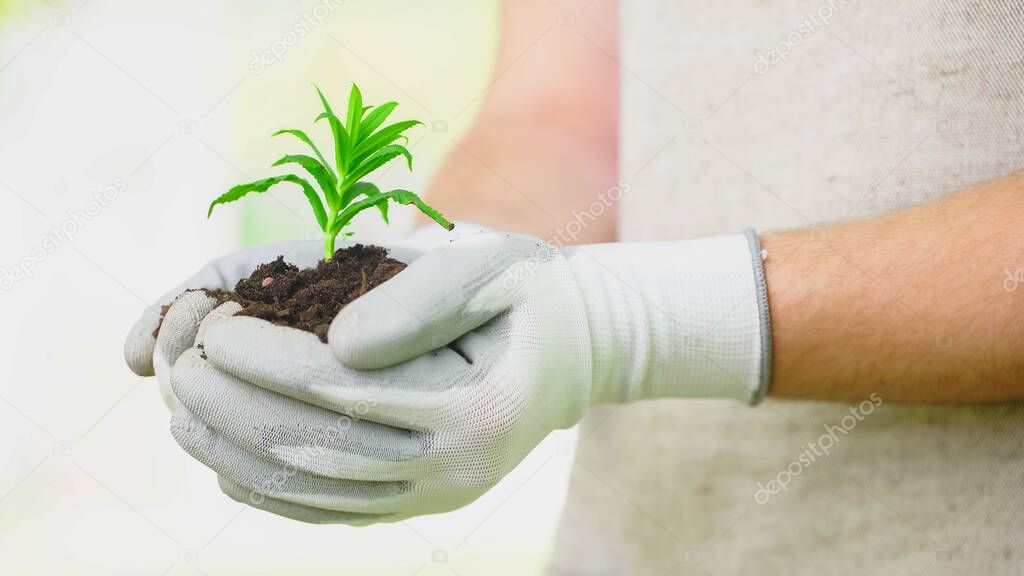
(119, 122)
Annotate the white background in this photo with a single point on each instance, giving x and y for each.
(161, 96)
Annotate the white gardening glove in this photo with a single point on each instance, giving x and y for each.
(147, 355)
(386, 422)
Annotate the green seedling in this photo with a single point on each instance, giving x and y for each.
(362, 144)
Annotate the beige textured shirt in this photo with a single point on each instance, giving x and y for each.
(783, 113)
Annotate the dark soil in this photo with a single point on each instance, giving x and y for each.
(310, 298)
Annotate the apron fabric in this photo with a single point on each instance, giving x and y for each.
(780, 114)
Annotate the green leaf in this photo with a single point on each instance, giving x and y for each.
(381, 138)
(323, 175)
(355, 112)
(404, 197)
(362, 144)
(341, 140)
(374, 119)
(370, 190)
(265, 184)
(323, 100)
(353, 191)
(342, 145)
(302, 136)
(378, 159)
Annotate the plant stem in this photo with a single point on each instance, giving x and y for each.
(328, 237)
(329, 246)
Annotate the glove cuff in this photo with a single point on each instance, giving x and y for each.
(677, 319)
(757, 258)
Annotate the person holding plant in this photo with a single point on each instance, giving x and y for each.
(434, 385)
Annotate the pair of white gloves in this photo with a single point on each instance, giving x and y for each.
(434, 385)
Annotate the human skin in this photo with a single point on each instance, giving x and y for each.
(545, 141)
(910, 306)
(916, 306)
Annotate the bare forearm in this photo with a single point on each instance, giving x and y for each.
(545, 143)
(501, 178)
(911, 306)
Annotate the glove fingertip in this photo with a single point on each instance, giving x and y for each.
(357, 344)
(377, 330)
(216, 316)
(246, 346)
(220, 338)
(340, 336)
(140, 342)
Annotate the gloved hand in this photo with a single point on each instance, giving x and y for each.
(386, 422)
(147, 355)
